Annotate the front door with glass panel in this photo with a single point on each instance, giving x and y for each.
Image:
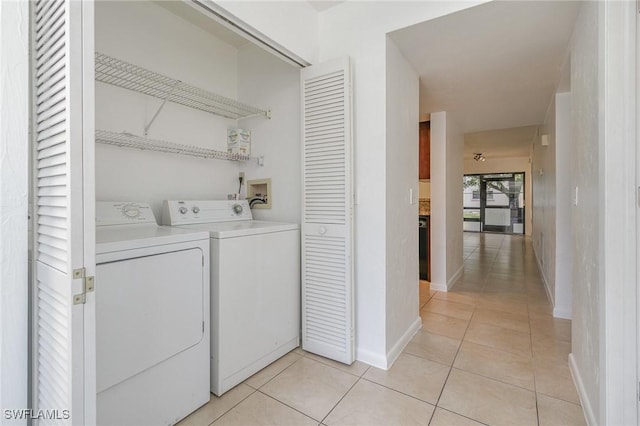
(494, 203)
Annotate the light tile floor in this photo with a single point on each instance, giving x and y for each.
(489, 352)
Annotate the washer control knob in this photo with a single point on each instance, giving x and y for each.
(195, 209)
(237, 208)
(131, 210)
(322, 230)
(183, 210)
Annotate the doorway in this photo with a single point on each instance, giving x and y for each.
(494, 203)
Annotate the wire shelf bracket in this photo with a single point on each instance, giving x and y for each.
(119, 73)
(128, 140)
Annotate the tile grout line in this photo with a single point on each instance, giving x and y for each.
(286, 405)
(341, 398)
(233, 406)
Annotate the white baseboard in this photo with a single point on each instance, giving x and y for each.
(402, 342)
(373, 359)
(438, 287)
(562, 312)
(544, 276)
(582, 392)
(384, 362)
(455, 277)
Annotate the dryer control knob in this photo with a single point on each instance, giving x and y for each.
(183, 210)
(131, 211)
(195, 209)
(237, 208)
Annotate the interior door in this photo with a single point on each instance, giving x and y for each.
(64, 247)
(327, 211)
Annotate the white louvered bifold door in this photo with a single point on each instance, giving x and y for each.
(327, 211)
(64, 250)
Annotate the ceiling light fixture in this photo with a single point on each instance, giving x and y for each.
(478, 156)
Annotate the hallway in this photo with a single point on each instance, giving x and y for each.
(489, 352)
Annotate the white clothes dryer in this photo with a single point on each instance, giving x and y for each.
(152, 317)
(255, 286)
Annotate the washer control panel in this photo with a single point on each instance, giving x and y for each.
(123, 213)
(184, 212)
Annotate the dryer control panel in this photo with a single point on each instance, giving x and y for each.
(123, 213)
(184, 212)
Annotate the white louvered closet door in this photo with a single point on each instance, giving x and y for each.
(64, 199)
(327, 211)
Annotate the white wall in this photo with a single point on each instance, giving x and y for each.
(552, 204)
(564, 256)
(266, 80)
(454, 175)
(543, 204)
(150, 36)
(585, 218)
(447, 144)
(402, 310)
(14, 197)
(499, 165)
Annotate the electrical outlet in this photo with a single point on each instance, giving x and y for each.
(241, 175)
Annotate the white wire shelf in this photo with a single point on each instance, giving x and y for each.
(123, 74)
(128, 140)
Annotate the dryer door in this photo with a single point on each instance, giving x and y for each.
(147, 310)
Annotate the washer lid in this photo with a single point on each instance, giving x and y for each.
(128, 237)
(242, 228)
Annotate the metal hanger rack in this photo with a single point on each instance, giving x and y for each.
(128, 140)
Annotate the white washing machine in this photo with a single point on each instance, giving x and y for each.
(152, 317)
(255, 286)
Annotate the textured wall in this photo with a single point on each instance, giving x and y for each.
(585, 217)
(543, 188)
(14, 195)
(265, 80)
(401, 212)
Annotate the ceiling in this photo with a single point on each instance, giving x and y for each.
(492, 66)
(321, 5)
(503, 143)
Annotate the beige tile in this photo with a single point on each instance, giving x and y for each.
(502, 319)
(487, 400)
(259, 409)
(554, 412)
(299, 351)
(272, 370)
(496, 364)
(466, 297)
(554, 379)
(357, 368)
(451, 309)
(443, 325)
(447, 418)
(414, 376)
(559, 329)
(371, 404)
(310, 387)
(503, 304)
(431, 346)
(217, 406)
(499, 338)
(547, 349)
(541, 307)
